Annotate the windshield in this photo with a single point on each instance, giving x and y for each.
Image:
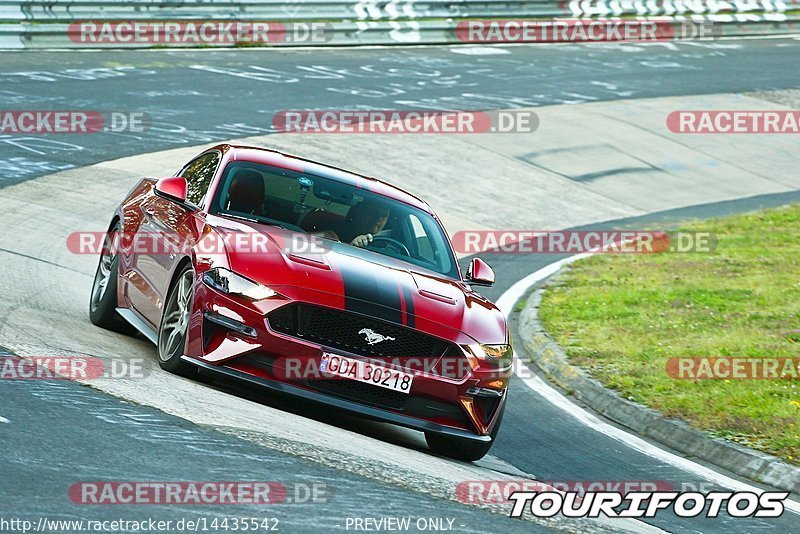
(336, 211)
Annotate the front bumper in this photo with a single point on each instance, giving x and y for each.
(362, 410)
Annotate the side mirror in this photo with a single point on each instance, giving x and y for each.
(479, 273)
(172, 188)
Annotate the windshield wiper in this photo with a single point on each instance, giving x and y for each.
(240, 217)
(248, 219)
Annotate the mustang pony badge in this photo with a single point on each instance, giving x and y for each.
(373, 337)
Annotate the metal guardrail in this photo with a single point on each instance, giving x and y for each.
(305, 10)
(374, 10)
(46, 24)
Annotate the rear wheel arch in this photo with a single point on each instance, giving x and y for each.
(103, 302)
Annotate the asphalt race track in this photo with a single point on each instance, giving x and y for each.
(123, 438)
(196, 97)
(63, 432)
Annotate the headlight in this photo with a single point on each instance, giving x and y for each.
(498, 355)
(234, 284)
(494, 356)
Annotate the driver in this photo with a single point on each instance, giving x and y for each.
(363, 221)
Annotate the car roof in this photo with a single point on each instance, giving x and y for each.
(267, 156)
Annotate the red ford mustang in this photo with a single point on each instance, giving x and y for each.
(312, 281)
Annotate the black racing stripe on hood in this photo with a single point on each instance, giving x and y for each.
(367, 294)
(409, 301)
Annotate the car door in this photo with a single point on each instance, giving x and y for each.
(166, 223)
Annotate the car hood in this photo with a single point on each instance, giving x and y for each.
(362, 281)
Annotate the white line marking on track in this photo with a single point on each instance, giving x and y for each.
(4, 420)
(506, 304)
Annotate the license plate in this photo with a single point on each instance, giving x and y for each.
(366, 372)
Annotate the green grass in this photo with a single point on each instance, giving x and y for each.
(622, 317)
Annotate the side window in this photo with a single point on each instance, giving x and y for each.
(199, 174)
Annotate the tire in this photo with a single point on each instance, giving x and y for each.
(175, 325)
(463, 449)
(103, 299)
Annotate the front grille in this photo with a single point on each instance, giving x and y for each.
(339, 329)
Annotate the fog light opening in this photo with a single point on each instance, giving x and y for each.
(230, 324)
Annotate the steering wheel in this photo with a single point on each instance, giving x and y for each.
(391, 241)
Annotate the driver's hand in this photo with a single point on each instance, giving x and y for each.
(362, 240)
(329, 234)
